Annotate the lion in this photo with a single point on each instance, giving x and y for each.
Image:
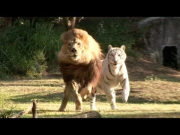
(80, 65)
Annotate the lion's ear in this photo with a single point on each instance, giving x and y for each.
(123, 47)
(109, 47)
(62, 36)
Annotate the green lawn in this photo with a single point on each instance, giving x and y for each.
(148, 99)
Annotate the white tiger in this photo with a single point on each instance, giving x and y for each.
(114, 73)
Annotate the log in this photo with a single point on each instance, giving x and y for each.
(33, 109)
(19, 114)
(89, 114)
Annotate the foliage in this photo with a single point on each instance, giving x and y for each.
(38, 64)
(115, 31)
(5, 110)
(26, 50)
(29, 48)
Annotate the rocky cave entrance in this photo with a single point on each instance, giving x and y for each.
(170, 57)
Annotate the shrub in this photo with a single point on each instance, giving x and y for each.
(113, 31)
(30, 50)
(27, 50)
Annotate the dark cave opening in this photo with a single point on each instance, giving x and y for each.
(170, 57)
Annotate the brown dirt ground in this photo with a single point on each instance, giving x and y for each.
(139, 69)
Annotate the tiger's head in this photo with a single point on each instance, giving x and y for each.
(116, 55)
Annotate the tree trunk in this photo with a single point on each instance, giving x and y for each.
(69, 22)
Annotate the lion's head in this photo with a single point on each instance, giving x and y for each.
(78, 47)
(74, 47)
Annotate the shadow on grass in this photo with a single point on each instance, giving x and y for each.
(58, 96)
(55, 97)
(133, 99)
(50, 76)
(136, 100)
(169, 78)
(142, 77)
(145, 115)
(31, 85)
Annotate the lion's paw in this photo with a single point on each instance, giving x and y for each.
(93, 108)
(62, 110)
(78, 110)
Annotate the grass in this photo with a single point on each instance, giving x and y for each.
(148, 99)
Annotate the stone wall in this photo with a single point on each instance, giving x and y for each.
(161, 32)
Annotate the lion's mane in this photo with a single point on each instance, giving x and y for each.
(87, 70)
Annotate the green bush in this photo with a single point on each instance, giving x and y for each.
(38, 65)
(114, 31)
(27, 50)
(5, 112)
(30, 50)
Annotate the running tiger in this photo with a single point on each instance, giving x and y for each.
(114, 73)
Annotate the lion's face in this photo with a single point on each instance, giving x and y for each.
(75, 49)
(78, 47)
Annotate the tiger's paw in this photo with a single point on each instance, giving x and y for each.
(124, 98)
(78, 109)
(113, 107)
(117, 109)
(62, 110)
(93, 107)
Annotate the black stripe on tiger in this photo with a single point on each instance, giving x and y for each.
(120, 67)
(121, 75)
(123, 81)
(110, 70)
(106, 82)
(108, 78)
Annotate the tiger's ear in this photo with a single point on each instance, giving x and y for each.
(123, 47)
(109, 47)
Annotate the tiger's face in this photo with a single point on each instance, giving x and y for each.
(116, 55)
(75, 49)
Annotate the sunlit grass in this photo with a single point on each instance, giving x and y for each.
(148, 99)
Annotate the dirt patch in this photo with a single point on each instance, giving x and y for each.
(140, 68)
